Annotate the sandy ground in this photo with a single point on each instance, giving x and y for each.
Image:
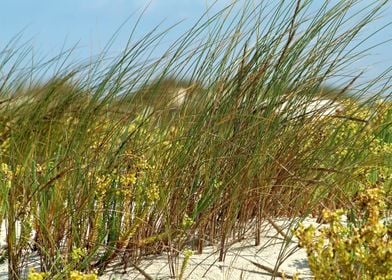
(243, 260)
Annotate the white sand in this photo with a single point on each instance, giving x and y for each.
(240, 262)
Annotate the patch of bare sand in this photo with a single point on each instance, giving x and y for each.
(243, 259)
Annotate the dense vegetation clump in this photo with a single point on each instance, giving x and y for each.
(360, 248)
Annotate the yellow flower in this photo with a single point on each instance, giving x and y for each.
(153, 193)
(77, 254)
(77, 275)
(342, 250)
(33, 275)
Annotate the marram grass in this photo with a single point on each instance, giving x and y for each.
(97, 167)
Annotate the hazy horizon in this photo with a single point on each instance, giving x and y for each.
(51, 26)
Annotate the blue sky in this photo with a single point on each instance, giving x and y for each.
(90, 24)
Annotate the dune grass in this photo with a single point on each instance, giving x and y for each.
(90, 177)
